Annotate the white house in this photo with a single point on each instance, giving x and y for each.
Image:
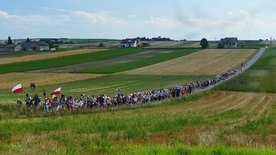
(129, 42)
(10, 47)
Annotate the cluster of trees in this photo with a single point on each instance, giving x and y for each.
(159, 38)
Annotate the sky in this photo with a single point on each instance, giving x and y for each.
(118, 19)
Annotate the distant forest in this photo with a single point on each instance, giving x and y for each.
(159, 38)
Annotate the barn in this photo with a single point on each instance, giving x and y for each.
(10, 47)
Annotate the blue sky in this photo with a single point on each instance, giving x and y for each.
(117, 19)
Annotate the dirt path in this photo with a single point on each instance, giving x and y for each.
(108, 62)
(48, 55)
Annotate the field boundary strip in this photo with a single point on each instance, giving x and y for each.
(6, 60)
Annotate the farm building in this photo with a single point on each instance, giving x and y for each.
(35, 46)
(229, 42)
(129, 42)
(10, 47)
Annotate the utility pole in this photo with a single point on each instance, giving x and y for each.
(271, 41)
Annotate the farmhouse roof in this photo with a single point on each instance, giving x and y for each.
(8, 45)
(229, 40)
(129, 40)
(40, 43)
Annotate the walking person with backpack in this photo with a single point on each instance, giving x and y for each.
(36, 101)
(28, 100)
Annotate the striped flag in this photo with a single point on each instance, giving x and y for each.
(57, 91)
(17, 89)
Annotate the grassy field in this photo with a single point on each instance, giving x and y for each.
(202, 123)
(210, 122)
(76, 84)
(142, 62)
(259, 78)
(65, 60)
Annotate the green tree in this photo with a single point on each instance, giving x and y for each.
(9, 40)
(220, 45)
(28, 40)
(101, 45)
(204, 43)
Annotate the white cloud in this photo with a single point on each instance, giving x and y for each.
(74, 23)
(99, 18)
(245, 14)
(132, 16)
(230, 13)
(4, 15)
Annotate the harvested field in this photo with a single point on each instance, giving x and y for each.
(168, 44)
(40, 56)
(108, 62)
(205, 62)
(163, 43)
(41, 79)
(253, 104)
(208, 121)
(194, 44)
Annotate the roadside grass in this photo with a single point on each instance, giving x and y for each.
(141, 62)
(268, 59)
(253, 80)
(66, 60)
(252, 46)
(259, 78)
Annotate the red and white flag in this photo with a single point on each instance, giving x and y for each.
(17, 89)
(56, 92)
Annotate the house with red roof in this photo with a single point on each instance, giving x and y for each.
(129, 42)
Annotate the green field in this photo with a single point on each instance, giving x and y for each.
(259, 78)
(107, 85)
(240, 121)
(141, 62)
(64, 61)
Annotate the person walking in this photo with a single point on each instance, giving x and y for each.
(36, 101)
(19, 106)
(28, 100)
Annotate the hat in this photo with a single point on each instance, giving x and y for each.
(53, 96)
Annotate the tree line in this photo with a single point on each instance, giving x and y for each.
(159, 38)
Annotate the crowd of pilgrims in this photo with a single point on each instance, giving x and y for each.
(103, 101)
